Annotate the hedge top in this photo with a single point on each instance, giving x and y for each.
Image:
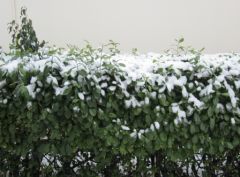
(177, 101)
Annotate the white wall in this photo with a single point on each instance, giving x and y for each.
(6, 14)
(149, 25)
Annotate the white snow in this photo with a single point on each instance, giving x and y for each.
(133, 134)
(29, 105)
(11, 65)
(3, 83)
(112, 88)
(151, 75)
(237, 84)
(103, 93)
(184, 92)
(104, 85)
(195, 101)
(231, 94)
(125, 128)
(31, 88)
(146, 100)
(5, 101)
(157, 125)
(181, 115)
(76, 109)
(207, 90)
(233, 122)
(59, 90)
(33, 80)
(132, 102)
(52, 80)
(81, 96)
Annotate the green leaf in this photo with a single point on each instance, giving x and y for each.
(210, 111)
(24, 92)
(93, 112)
(192, 129)
(181, 40)
(163, 101)
(195, 139)
(123, 150)
(163, 137)
(197, 118)
(203, 127)
(112, 115)
(44, 148)
(212, 123)
(229, 145)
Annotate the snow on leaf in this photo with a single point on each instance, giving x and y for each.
(233, 122)
(231, 94)
(195, 101)
(81, 96)
(2, 83)
(125, 128)
(31, 88)
(157, 125)
(112, 88)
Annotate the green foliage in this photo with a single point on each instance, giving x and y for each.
(81, 132)
(59, 119)
(24, 38)
(134, 51)
(180, 49)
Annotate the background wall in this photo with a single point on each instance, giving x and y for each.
(149, 25)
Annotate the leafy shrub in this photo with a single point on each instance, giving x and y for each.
(92, 112)
(86, 112)
(24, 38)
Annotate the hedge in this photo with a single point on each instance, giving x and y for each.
(85, 112)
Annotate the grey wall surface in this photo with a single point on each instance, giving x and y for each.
(149, 25)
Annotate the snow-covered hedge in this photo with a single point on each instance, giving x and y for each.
(98, 113)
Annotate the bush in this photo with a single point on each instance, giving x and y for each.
(24, 38)
(86, 112)
(92, 112)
